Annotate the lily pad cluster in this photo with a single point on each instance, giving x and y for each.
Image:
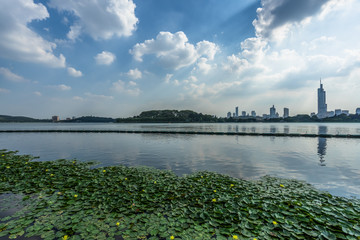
(69, 199)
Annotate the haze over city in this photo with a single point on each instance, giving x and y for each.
(117, 58)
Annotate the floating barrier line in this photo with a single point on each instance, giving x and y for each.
(186, 132)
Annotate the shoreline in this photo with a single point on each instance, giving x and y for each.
(187, 132)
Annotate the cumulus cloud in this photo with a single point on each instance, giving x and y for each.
(105, 58)
(203, 66)
(168, 77)
(134, 73)
(275, 17)
(99, 19)
(38, 94)
(7, 74)
(20, 43)
(129, 88)
(308, 54)
(235, 64)
(73, 72)
(173, 50)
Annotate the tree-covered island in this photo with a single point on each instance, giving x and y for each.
(169, 116)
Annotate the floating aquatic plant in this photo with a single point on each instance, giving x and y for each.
(68, 199)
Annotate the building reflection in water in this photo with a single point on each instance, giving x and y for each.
(321, 150)
(286, 129)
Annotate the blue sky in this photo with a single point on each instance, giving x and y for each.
(117, 58)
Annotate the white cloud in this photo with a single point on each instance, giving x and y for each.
(73, 72)
(308, 54)
(173, 50)
(98, 96)
(11, 76)
(132, 83)
(77, 98)
(276, 18)
(127, 88)
(62, 87)
(20, 43)
(134, 73)
(99, 19)
(168, 77)
(105, 58)
(206, 48)
(203, 66)
(38, 94)
(74, 32)
(3, 90)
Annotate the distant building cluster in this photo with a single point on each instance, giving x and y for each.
(322, 110)
(57, 118)
(252, 114)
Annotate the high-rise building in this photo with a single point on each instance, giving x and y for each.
(237, 112)
(55, 118)
(338, 112)
(357, 111)
(346, 112)
(253, 113)
(273, 112)
(229, 115)
(322, 106)
(243, 113)
(286, 112)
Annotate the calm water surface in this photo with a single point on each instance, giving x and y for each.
(330, 164)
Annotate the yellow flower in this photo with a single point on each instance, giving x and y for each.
(254, 239)
(7, 166)
(232, 185)
(172, 237)
(214, 200)
(51, 175)
(125, 178)
(46, 170)
(3, 155)
(74, 162)
(214, 190)
(75, 195)
(202, 177)
(117, 224)
(65, 237)
(282, 185)
(275, 223)
(155, 182)
(235, 237)
(26, 162)
(59, 193)
(104, 170)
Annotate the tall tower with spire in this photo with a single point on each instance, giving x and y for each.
(322, 106)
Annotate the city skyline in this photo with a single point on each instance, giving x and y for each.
(130, 56)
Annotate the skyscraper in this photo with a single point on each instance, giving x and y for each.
(273, 112)
(286, 112)
(322, 106)
(237, 112)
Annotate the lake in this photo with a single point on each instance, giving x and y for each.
(331, 164)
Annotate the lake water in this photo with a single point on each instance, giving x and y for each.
(331, 164)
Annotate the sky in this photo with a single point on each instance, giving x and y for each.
(117, 58)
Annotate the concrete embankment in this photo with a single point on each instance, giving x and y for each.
(185, 132)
